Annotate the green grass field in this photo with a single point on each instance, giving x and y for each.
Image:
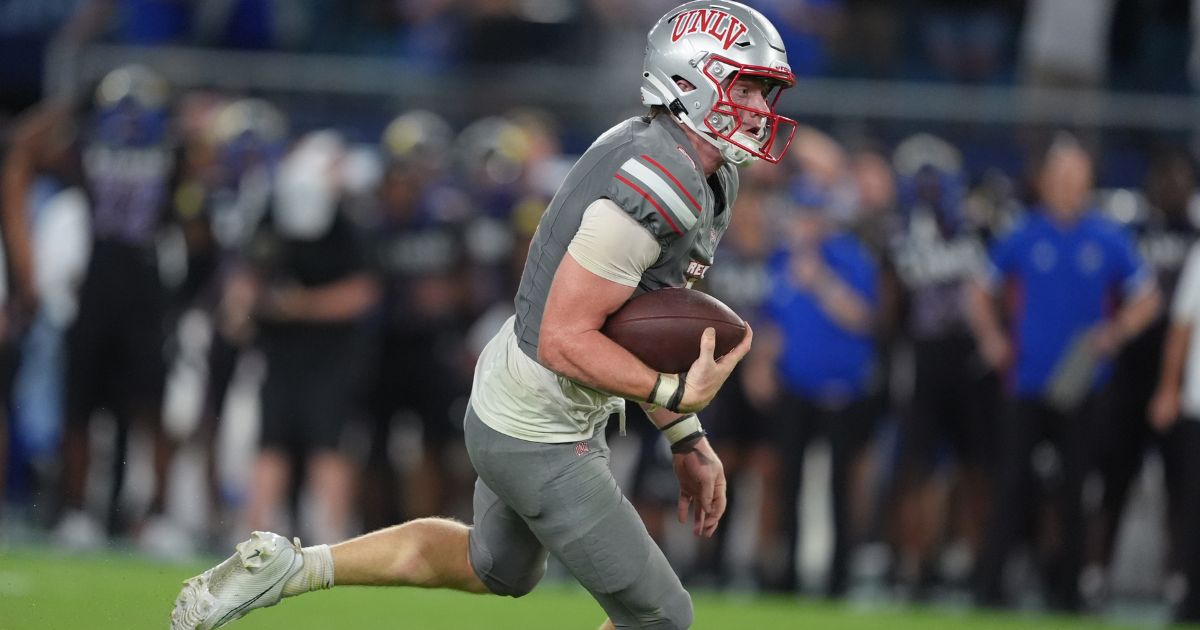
(50, 591)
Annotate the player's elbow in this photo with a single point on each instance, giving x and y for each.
(551, 352)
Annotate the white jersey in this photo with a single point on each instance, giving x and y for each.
(1186, 310)
(516, 396)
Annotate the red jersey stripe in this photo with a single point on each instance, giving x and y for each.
(651, 200)
(672, 178)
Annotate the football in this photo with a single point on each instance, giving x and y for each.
(663, 327)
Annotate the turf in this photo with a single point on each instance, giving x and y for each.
(42, 590)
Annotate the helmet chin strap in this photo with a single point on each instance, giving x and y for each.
(729, 152)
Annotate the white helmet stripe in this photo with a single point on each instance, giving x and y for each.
(661, 189)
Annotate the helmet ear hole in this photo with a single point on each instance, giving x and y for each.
(683, 84)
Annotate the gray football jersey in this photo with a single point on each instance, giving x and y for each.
(648, 167)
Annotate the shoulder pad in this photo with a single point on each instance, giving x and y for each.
(659, 192)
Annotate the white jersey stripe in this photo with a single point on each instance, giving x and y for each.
(663, 190)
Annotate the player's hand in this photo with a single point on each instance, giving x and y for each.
(1106, 339)
(237, 306)
(808, 269)
(760, 384)
(701, 487)
(1164, 410)
(705, 377)
(997, 351)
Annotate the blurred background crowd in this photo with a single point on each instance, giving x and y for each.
(252, 248)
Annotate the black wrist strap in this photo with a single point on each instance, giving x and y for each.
(687, 444)
(677, 397)
(654, 390)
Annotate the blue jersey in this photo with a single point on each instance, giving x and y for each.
(820, 359)
(1067, 279)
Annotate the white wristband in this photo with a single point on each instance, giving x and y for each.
(683, 427)
(664, 390)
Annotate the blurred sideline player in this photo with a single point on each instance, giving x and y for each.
(1164, 233)
(308, 286)
(125, 159)
(816, 362)
(644, 207)
(248, 137)
(953, 388)
(1175, 412)
(416, 224)
(1067, 262)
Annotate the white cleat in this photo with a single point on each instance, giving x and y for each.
(253, 577)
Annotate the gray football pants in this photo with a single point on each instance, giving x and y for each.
(534, 499)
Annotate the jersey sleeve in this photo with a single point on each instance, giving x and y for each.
(658, 194)
(1003, 258)
(611, 245)
(1129, 268)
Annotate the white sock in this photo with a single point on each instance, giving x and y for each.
(315, 575)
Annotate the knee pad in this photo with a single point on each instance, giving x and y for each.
(522, 584)
(677, 613)
(506, 577)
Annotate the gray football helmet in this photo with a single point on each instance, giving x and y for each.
(711, 44)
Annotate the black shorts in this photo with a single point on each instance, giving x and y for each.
(417, 373)
(312, 389)
(954, 406)
(115, 348)
(10, 361)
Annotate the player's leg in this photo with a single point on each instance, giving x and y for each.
(570, 500)
(272, 467)
(142, 340)
(1075, 445)
(83, 382)
(917, 504)
(499, 555)
(794, 429)
(1021, 430)
(222, 361)
(426, 553)
(1186, 435)
(331, 397)
(850, 430)
(1124, 433)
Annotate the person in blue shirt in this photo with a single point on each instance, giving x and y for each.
(818, 344)
(1064, 267)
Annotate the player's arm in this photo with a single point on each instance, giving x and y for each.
(599, 273)
(841, 301)
(37, 136)
(338, 301)
(701, 474)
(1165, 405)
(1143, 299)
(984, 320)
(1132, 318)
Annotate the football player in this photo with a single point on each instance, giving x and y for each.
(125, 159)
(643, 209)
